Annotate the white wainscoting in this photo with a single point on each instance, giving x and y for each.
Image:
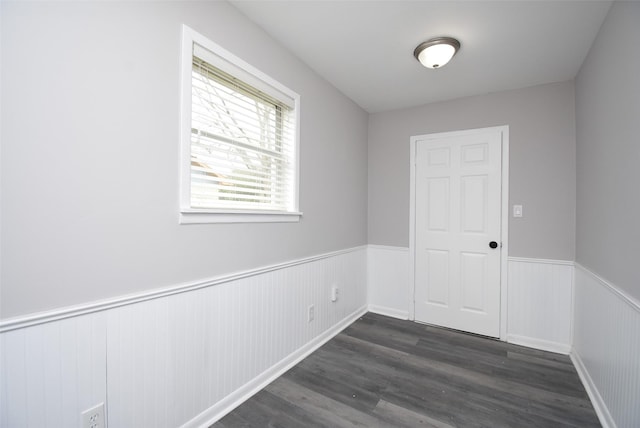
(51, 372)
(540, 309)
(178, 357)
(606, 348)
(388, 280)
(189, 354)
(540, 294)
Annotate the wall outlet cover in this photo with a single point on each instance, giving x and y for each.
(94, 417)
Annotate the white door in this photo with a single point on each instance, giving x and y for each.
(457, 230)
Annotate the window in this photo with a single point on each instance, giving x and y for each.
(239, 139)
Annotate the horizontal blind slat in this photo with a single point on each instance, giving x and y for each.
(241, 127)
(241, 144)
(219, 143)
(239, 185)
(234, 74)
(241, 197)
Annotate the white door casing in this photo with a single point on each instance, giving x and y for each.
(457, 207)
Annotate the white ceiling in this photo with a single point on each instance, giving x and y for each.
(365, 48)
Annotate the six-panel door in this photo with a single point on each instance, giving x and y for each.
(458, 201)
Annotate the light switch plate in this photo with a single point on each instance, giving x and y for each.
(517, 210)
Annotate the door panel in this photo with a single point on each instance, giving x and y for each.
(472, 281)
(458, 209)
(437, 292)
(473, 196)
(438, 215)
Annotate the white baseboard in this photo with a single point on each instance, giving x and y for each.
(541, 261)
(605, 348)
(540, 304)
(543, 345)
(388, 248)
(594, 395)
(183, 356)
(390, 312)
(388, 281)
(233, 400)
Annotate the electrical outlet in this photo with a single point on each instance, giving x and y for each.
(335, 293)
(94, 417)
(311, 313)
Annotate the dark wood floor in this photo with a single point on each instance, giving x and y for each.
(383, 372)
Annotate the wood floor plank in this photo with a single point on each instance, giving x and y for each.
(320, 406)
(384, 372)
(541, 360)
(398, 416)
(339, 389)
(450, 377)
(269, 410)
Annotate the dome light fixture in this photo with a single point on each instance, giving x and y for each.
(436, 52)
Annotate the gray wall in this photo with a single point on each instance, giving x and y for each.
(90, 125)
(608, 151)
(542, 164)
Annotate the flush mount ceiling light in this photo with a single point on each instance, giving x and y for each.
(434, 53)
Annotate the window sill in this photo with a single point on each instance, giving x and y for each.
(206, 217)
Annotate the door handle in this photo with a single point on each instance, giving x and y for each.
(493, 244)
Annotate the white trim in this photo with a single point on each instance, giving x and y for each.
(546, 261)
(592, 391)
(238, 67)
(544, 345)
(233, 400)
(217, 56)
(388, 280)
(389, 312)
(101, 305)
(504, 269)
(504, 254)
(572, 309)
(541, 303)
(186, 57)
(200, 217)
(388, 248)
(607, 345)
(412, 229)
(629, 300)
(236, 62)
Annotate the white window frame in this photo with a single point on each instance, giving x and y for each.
(244, 71)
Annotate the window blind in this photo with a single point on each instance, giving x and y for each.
(242, 144)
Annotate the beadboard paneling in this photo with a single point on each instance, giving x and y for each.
(606, 349)
(539, 296)
(174, 359)
(540, 304)
(181, 356)
(388, 280)
(52, 372)
(539, 312)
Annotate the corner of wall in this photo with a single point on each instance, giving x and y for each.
(606, 348)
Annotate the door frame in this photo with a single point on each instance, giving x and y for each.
(504, 212)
